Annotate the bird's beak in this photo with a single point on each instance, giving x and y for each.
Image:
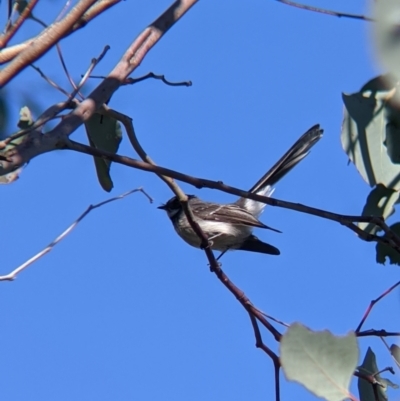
(162, 207)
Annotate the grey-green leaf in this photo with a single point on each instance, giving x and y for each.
(320, 361)
(104, 133)
(25, 118)
(25, 121)
(386, 34)
(384, 251)
(370, 137)
(395, 351)
(379, 203)
(370, 367)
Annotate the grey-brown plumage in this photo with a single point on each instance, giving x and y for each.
(229, 226)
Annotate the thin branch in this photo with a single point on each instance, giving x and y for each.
(49, 80)
(392, 353)
(377, 333)
(324, 11)
(274, 319)
(93, 64)
(64, 10)
(12, 275)
(131, 81)
(4, 39)
(275, 359)
(372, 303)
(387, 369)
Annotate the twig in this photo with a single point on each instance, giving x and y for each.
(50, 81)
(377, 333)
(78, 87)
(387, 369)
(324, 11)
(131, 81)
(4, 39)
(391, 352)
(64, 10)
(12, 275)
(275, 319)
(93, 64)
(372, 303)
(275, 359)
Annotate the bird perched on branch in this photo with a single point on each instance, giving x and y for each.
(229, 226)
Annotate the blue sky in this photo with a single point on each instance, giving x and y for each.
(123, 309)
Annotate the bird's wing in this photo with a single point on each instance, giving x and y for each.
(227, 213)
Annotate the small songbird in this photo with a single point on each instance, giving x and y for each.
(229, 226)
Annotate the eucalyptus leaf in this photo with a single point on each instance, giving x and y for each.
(395, 351)
(379, 203)
(320, 361)
(370, 135)
(384, 251)
(369, 367)
(386, 36)
(25, 121)
(104, 133)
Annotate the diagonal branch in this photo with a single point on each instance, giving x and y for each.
(372, 304)
(12, 275)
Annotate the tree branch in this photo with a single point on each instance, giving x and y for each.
(5, 38)
(99, 7)
(372, 304)
(44, 42)
(324, 11)
(12, 275)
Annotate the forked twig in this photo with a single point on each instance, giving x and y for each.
(275, 359)
(12, 275)
(372, 304)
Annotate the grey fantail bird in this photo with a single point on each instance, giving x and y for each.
(229, 226)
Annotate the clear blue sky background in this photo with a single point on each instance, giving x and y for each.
(123, 309)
